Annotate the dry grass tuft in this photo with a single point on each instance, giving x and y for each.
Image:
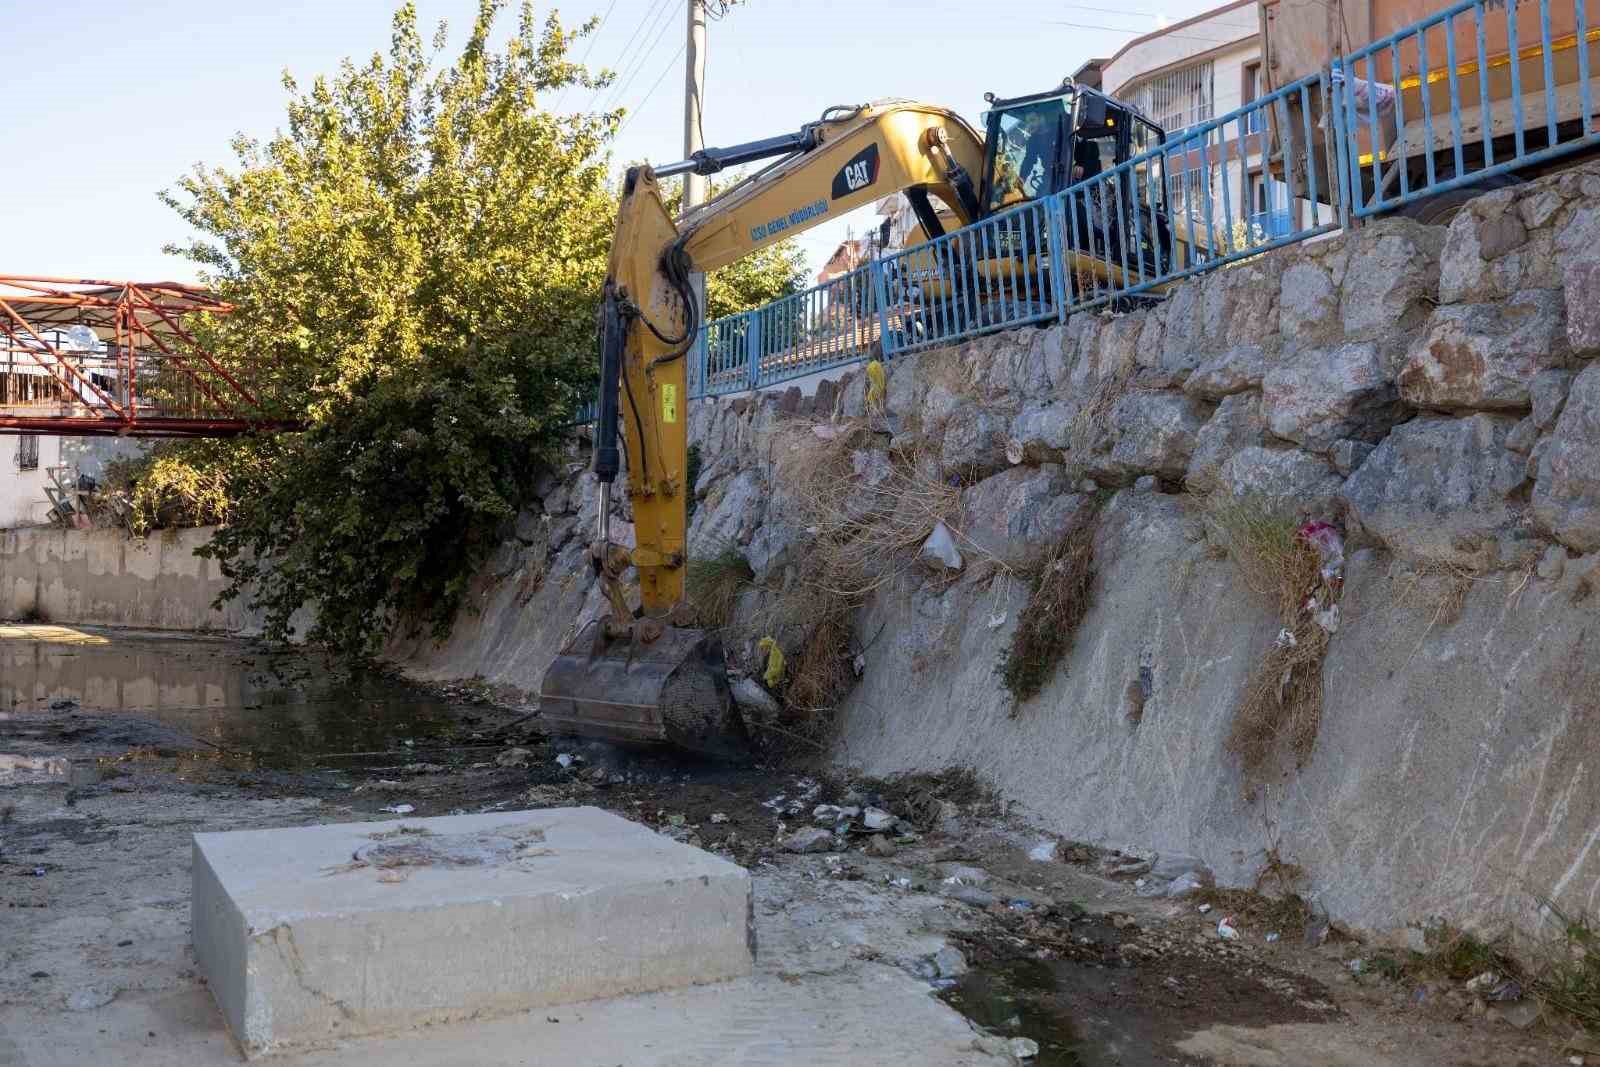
(1062, 590)
(867, 513)
(1282, 700)
(1568, 976)
(713, 587)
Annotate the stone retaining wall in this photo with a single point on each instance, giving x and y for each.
(1434, 393)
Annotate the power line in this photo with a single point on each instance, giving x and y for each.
(622, 57)
(640, 59)
(592, 38)
(681, 50)
(1143, 33)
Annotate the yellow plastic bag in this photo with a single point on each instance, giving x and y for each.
(775, 666)
(877, 386)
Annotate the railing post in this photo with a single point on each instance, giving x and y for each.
(1343, 160)
(698, 387)
(753, 345)
(880, 296)
(1056, 219)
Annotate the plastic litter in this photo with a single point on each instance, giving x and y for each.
(399, 809)
(1482, 981)
(1204, 909)
(1024, 1048)
(773, 675)
(565, 759)
(719, 816)
(1226, 930)
(877, 386)
(1328, 542)
(940, 549)
(1273, 936)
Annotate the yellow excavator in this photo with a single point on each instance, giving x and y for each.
(638, 676)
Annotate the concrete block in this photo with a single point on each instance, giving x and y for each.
(316, 932)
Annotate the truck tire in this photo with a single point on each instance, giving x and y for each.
(1442, 208)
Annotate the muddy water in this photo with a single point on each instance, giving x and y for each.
(281, 708)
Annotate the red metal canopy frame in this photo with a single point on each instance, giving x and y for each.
(84, 357)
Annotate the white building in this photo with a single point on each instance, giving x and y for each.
(1200, 69)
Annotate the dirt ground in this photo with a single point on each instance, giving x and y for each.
(96, 966)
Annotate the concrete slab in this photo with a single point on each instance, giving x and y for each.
(319, 932)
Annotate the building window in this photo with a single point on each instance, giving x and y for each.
(1178, 98)
(28, 452)
(1256, 120)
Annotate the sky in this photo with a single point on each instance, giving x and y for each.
(109, 101)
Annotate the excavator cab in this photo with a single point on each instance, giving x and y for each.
(1041, 144)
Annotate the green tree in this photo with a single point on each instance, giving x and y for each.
(414, 260)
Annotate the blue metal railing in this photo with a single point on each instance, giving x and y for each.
(1445, 102)
(1340, 138)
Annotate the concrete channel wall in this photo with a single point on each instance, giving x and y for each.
(104, 577)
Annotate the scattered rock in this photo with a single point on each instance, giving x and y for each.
(880, 846)
(1553, 563)
(810, 839)
(1023, 1048)
(964, 874)
(877, 819)
(89, 999)
(514, 757)
(755, 702)
(1518, 1013)
(1048, 851)
(1170, 865)
(950, 962)
(1183, 885)
(970, 894)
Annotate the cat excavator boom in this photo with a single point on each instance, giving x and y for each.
(637, 675)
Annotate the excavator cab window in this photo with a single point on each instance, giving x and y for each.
(1025, 142)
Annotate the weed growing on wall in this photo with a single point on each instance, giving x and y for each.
(1061, 592)
(1282, 699)
(713, 586)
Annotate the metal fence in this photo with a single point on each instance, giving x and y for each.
(1478, 90)
(1442, 104)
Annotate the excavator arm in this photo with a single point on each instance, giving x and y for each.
(644, 679)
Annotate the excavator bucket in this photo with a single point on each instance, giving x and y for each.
(671, 691)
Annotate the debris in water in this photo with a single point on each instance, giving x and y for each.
(399, 809)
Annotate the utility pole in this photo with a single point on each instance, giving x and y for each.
(694, 185)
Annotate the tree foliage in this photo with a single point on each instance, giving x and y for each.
(414, 259)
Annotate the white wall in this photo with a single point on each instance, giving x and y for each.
(22, 499)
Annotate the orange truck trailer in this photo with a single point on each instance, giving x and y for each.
(1436, 102)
